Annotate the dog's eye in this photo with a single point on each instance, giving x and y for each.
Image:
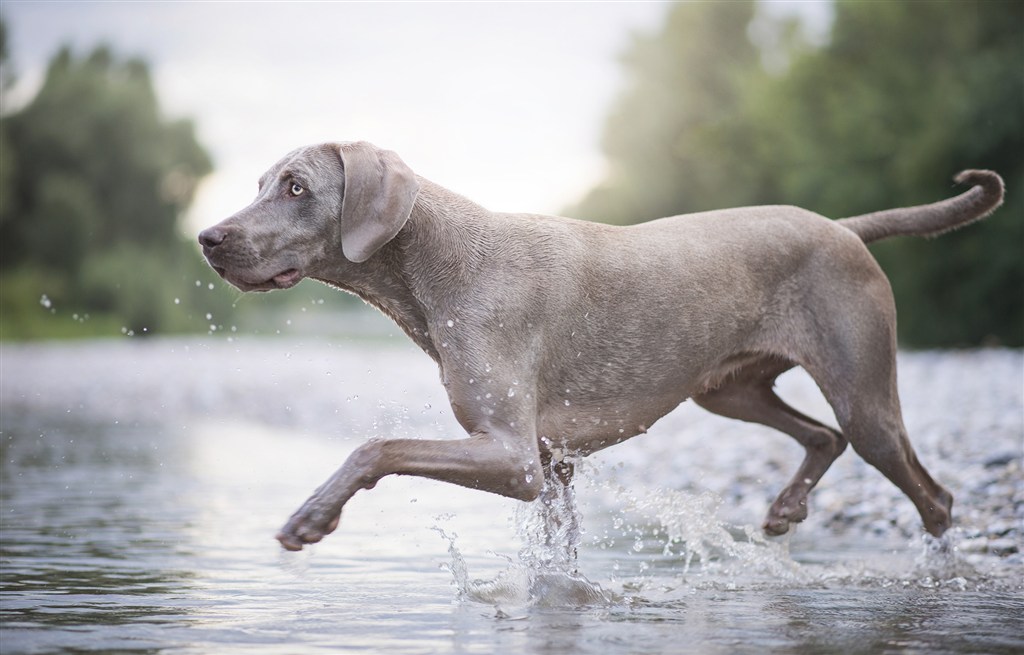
(296, 189)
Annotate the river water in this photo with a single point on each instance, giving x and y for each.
(143, 481)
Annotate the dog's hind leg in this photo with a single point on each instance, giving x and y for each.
(854, 364)
(748, 396)
(867, 407)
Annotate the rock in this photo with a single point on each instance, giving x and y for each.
(1000, 460)
(1001, 529)
(974, 545)
(1003, 547)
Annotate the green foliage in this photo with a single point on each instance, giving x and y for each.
(901, 97)
(685, 99)
(93, 181)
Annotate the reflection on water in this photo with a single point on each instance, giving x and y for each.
(90, 542)
(139, 504)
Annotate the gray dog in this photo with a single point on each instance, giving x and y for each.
(560, 337)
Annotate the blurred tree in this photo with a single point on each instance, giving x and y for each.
(686, 99)
(901, 97)
(93, 183)
(6, 155)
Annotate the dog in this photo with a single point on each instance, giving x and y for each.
(558, 337)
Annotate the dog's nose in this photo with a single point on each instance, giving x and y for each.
(212, 236)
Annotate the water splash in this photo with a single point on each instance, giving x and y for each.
(940, 562)
(698, 550)
(544, 573)
(550, 526)
(690, 529)
(925, 563)
(457, 566)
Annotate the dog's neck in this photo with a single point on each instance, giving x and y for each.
(416, 274)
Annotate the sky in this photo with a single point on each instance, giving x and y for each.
(503, 102)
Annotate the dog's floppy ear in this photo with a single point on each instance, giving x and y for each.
(379, 194)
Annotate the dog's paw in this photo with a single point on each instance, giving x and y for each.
(307, 526)
(787, 509)
(775, 527)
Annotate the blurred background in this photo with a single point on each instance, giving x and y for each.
(128, 127)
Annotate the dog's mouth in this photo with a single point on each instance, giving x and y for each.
(286, 279)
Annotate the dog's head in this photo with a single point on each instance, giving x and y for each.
(317, 199)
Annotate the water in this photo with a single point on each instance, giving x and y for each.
(143, 482)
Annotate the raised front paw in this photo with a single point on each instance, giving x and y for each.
(307, 526)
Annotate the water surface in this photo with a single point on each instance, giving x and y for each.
(143, 483)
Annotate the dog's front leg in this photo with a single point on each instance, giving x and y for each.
(496, 460)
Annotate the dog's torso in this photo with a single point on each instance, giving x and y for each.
(598, 331)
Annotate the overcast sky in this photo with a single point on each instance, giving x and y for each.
(502, 102)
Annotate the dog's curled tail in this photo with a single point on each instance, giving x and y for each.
(984, 196)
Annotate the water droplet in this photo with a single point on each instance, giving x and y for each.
(177, 301)
(209, 317)
(451, 323)
(567, 403)
(511, 392)
(210, 286)
(45, 302)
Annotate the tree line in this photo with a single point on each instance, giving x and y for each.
(721, 108)
(93, 182)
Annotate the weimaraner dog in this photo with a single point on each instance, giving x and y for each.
(557, 337)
